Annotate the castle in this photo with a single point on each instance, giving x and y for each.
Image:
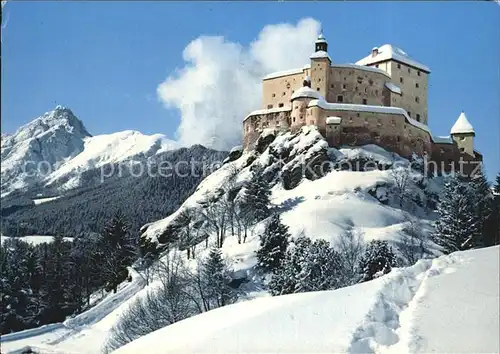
(382, 99)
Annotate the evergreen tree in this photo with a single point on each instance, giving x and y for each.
(273, 245)
(18, 303)
(119, 252)
(215, 275)
(458, 226)
(320, 269)
(57, 281)
(377, 259)
(482, 198)
(256, 202)
(308, 266)
(496, 188)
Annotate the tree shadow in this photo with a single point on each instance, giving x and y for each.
(289, 204)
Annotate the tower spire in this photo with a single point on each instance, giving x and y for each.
(321, 45)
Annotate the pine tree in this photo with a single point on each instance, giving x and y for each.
(320, 269)
(256, 200)
(377, 259)
(496, 188)
(119, 250)
(273, 245)
(215, 275)
(57, 281)
(482, 198)
(458, 226)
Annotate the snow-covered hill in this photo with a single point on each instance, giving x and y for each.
(321, 205)
(54, 149)
(449, 304)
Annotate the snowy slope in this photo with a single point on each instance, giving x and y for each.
(109, 149)
(449, 304)
(54, 149)
(322, 208)
(35, 239)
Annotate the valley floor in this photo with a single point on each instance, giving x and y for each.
(449, 304)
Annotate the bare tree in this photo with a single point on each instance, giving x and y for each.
(159, 307)
(350, 247)
(414, 241)
(401, 187)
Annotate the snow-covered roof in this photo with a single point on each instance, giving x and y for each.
(462, 125)
(393, 88)
(360, 67)
(265, 111)
(320, 54)
(333, 120)
(367, 108)
(306, 91)
(390, 52)
(442, 139)
(283, 73)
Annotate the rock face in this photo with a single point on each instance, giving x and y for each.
(38, 147)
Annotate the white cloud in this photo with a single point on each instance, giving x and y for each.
(221, 81)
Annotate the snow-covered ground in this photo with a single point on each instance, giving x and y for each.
(44, 200)
(35, 239)
(449, 304)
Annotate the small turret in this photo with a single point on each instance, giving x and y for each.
(463, 134)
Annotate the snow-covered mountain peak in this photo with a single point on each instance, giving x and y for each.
(56, 149)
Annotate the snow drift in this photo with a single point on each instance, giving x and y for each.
(448, 304)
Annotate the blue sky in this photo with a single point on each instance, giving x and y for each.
(106, 60)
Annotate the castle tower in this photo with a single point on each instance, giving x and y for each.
(320, 66)
(463, 134)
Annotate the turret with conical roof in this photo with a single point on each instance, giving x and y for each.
(463, 134)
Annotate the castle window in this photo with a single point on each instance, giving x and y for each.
(360, 79)
(417, 99)
(301, 117)
(416, 85)
(340, 98)
(293, 91)
(365, 101)
(398, 138)
(319, 80)
(331, 86)
(376, 66)
(418, 73)
(350, 119)
(418, 117)
(357, 114)
(317, 88)
(462, 149)
(284, 93)
(269, 106)
(401, 80)
(399, 66)
(293, 119)
(274, 95)
(409, 70)
(344, 86)
(370, 82)
(462, 138)
(280, 105)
